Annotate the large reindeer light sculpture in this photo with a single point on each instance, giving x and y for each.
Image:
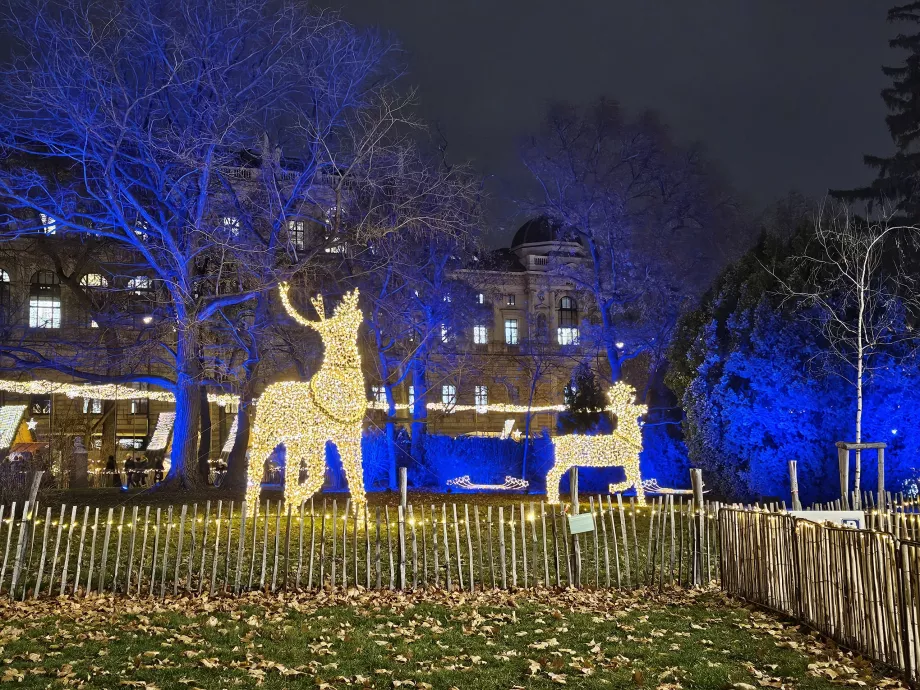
(303, 416)
(619, 449)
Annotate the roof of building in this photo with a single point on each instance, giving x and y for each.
(535, 231)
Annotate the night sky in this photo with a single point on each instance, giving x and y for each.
(784, 94)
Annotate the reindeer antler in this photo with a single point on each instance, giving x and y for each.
(283, 289)
(320, 307)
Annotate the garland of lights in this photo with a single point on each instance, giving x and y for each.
(160, 437)
(303, 416)
(510, 484)
(620, 449)
(110, 391)
(231, 437)
(106, 391)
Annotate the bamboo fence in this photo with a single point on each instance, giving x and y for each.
(860, 587)
(220, 548)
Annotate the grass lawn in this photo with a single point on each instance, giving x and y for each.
(534, 639)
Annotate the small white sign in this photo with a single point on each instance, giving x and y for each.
(846, 518)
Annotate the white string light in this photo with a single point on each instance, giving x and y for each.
(125, 392)
(619, 449)
(305, 415)
(160, 437)
(510, 484)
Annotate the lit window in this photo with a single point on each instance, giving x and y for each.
(411, 396)
(45, 301)
(231, 225)
(510, 300)
(567, 335)
(445, 334)
(92, 406)
(482, 398)
(511, 331)
(480, 335)
(379, 393)
(4, 294)
(449, 396)
(481, 298)
(39, 404)
(568, 313)
(139, 406)
(447, 298)
(49, 224)
(94, 280)
(140, 285)
(297, 233)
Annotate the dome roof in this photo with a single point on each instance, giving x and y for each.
(536, 230)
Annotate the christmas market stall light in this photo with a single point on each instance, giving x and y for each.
(303, 416)
(619, 449)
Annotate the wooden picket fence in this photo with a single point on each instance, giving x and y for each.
(220, 549)
(860, 587)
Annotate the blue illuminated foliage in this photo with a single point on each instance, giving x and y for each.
(757, 392)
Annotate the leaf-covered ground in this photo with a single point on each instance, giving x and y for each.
(535, 639)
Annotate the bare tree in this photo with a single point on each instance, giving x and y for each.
(852, 284)
(651, 215)
(144, 114)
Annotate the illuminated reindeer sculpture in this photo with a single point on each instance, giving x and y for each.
(619, 449)
(303, 416)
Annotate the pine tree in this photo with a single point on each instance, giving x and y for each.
(898, 181)
(585, 402)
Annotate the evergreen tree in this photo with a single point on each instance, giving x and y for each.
(585, 403)
(898, 181)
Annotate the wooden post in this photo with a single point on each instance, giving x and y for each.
(25, 531)
(576, 544)
(401, 533)
(403, 488)
(843, 468)
(794, 484)
(881, 476)
(41, 563)
(501, 545)
(696, 477)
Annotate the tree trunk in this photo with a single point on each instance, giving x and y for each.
(183, 471)
(391, 454)
(419, 410)
(527, 420)
(109, 422)
(204, 442)
(610, 347)
(237, 467)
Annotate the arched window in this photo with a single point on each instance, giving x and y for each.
(44, 300)
(567, 333)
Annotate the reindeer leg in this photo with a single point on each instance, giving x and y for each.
(350, 451)
(553, 477)
(259, 451)
(310, 451)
